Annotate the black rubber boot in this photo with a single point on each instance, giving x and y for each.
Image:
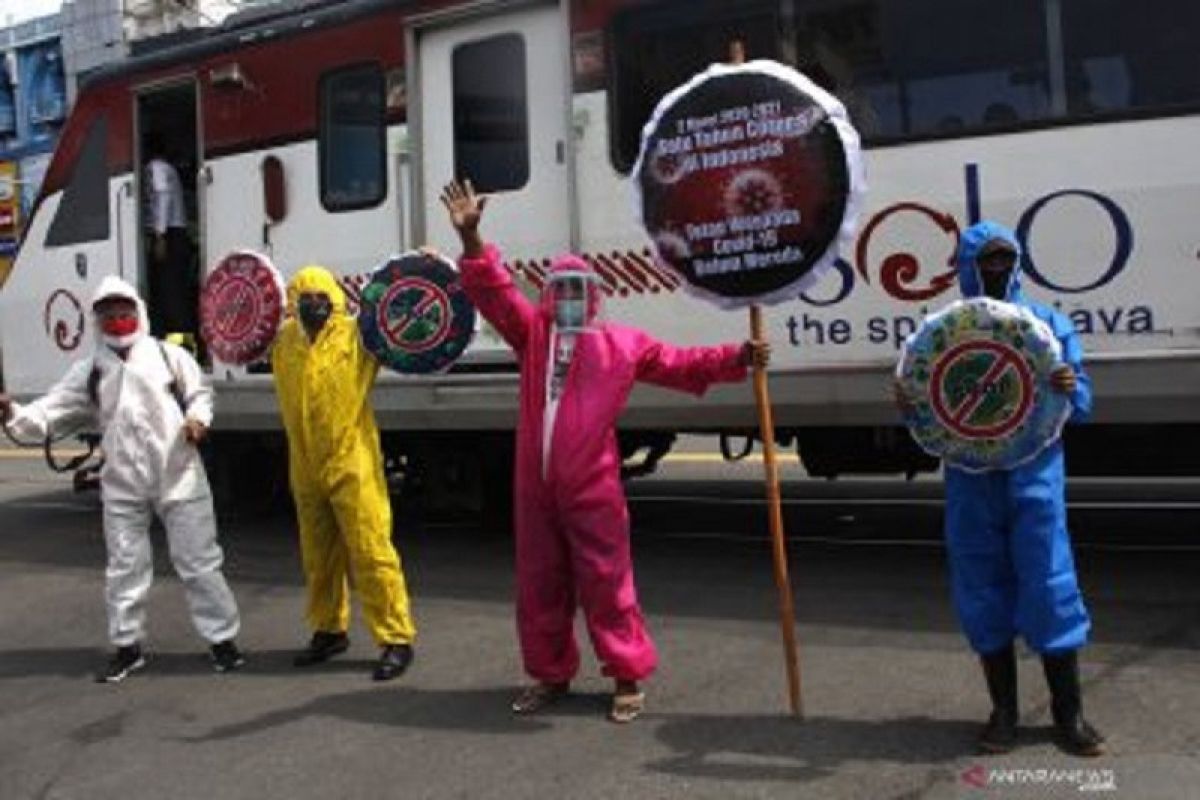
(1072, 731)
(999, 735)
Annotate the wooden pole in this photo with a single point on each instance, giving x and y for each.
(766, 425)
(787, 613)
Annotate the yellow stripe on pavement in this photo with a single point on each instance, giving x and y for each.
(19, 455)
(717, 458)
(670, 458)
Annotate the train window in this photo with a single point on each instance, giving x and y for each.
(352, 144)
(655, 48)
(491, 113)
(1122, 56)
(922, 67)
(82, 214)
(840, 46)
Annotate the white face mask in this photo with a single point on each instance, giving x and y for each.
(122, 342)
(119, 340)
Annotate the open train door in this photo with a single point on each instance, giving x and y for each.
(491, 104)
(169, 231)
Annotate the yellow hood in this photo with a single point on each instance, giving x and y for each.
(314, 279)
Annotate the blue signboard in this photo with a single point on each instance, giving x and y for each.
(43, 91)
(8, 104)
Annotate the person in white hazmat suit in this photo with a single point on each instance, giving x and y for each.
(153, 408)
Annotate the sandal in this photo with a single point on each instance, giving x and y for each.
(627, 707)
(535, 697)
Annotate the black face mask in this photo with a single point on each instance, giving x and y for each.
(314, 312)
(995, 283)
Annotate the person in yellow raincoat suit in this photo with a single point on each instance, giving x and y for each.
(323, 378)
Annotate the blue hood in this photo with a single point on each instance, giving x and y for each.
(972, 241)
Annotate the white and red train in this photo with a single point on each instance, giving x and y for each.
(322, 132)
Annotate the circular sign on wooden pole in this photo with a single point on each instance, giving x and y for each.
(748, 182)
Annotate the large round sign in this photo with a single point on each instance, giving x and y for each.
(415, 317)
(241, 307)
(978, 376)
(748, 182)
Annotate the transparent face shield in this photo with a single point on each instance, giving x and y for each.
(574, 298)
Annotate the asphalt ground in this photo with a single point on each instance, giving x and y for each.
(892, 696)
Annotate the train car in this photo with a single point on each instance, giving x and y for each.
(322, 132)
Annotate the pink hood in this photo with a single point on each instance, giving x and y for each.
(567, 263)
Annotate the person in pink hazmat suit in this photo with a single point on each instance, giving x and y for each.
(571, 521)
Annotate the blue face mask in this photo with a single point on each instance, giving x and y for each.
(570, 314)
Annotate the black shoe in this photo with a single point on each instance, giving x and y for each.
(322, 647)
(393, 661)
(226, 657)
(1072, 732)
(124, 661)
(999, 735)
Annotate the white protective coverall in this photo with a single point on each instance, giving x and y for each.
(149, 467)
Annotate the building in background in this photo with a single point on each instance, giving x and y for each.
(43, 62)
(99, 31)
(33, 107)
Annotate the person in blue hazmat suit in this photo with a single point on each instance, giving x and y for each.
(1011, 566)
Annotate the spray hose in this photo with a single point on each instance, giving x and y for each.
(89, 440)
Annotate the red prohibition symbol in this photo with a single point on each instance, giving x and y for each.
(957, 415)
(397, 331)
(237, 309)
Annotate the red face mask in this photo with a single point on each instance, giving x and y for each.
(119, 326)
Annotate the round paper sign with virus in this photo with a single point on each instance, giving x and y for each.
(748, 182)
(978, 375)
(241, 307)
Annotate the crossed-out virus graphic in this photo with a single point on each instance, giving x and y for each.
(981, 389)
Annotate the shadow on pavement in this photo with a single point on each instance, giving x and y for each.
(67, 662)
(758, 748)
(470, 710)
(86, 662)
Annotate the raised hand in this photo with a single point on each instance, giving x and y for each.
(465, 209)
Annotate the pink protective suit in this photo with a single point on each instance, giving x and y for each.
(572, 525)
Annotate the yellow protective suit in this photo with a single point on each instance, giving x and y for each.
(336, 469)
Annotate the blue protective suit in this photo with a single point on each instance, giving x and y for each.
(1006, 531)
